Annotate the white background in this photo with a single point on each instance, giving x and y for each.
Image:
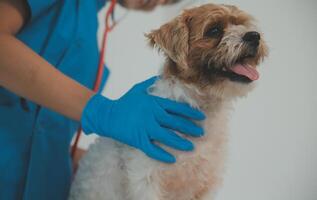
(273, 140)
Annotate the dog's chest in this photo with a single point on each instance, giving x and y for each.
(198, 172)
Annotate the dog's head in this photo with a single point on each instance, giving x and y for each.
(215, 47)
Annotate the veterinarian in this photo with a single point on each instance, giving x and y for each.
(48, 63)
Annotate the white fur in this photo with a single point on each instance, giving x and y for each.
(113, 171)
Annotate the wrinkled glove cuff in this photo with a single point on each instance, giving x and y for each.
(96, 106)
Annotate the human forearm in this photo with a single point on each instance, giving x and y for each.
(25, 73)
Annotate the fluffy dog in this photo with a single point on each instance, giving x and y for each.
(212, 53)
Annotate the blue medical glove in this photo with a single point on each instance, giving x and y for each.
(137, 119)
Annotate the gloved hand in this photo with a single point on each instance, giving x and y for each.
(137, 119)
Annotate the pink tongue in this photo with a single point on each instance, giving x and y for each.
(246, 70)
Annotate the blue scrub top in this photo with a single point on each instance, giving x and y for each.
(35, 141)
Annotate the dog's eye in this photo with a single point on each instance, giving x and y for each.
(215, 31)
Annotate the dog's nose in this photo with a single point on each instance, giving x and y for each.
(252, 38)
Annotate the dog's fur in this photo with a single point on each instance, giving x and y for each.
(195, 73)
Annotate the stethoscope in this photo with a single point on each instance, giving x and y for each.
(110, 16)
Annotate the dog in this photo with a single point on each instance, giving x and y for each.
(212, 53)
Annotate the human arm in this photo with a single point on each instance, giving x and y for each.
(136, 119)
(27, 74)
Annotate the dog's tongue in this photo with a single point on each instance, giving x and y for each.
(246, 70)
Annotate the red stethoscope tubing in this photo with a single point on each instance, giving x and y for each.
(100, 71)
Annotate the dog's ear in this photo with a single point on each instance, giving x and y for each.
(173, 39)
